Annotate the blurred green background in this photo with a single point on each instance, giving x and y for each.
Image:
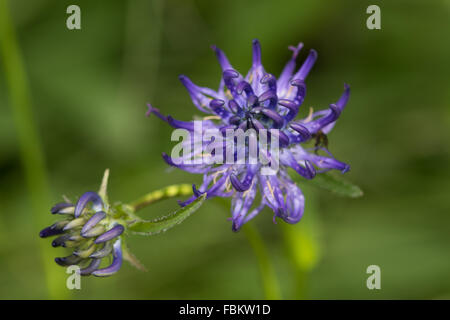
(89, 90)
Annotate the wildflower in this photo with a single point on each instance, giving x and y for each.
(91, 229)
(260, 101)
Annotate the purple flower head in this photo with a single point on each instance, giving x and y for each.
(92, 233)
(258, 102)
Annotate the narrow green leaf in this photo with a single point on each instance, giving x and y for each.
(335, 183)
(103, 191)
(130, 257)
(164, 223)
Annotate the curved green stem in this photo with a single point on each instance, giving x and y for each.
(158, 195)
(162, 224)
(29, 144)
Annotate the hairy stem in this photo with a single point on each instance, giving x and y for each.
(158, 195)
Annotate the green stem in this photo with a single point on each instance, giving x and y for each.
(303, 246)
(158, 195)
(268, 275)
(29, 143)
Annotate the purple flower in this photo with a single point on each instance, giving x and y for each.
(90, 231)
(260, 101)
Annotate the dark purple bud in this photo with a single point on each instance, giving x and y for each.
(216, 106)
(269, 94)
(270, 80)
(240, 187)
(291, 105)
(115, 265)
(62, 208)
(114, 232)
(335, 109)
(92, 222)
(49, 231)
(90, 196)
(95, 263)
(308, 172)
(234, 107)
(246, 182)
(245, 86)
(60, 241)
(277, 119)
(230, 74)
(298, 82)
(301, 90)
(68, 261)
(304, 133)
(216, 103)
(299, 97)
(54, 229)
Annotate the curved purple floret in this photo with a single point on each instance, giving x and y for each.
(50, 231)
(115, 265)
(90, 196)
(95, 263)
(92, 222)
(61, 207)
(114, 232)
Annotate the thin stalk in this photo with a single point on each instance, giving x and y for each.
(30, 145)
(158, 195)
(302, 243)
(268, 275)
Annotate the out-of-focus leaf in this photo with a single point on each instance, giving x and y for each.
(336, 184)
(164, 223)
